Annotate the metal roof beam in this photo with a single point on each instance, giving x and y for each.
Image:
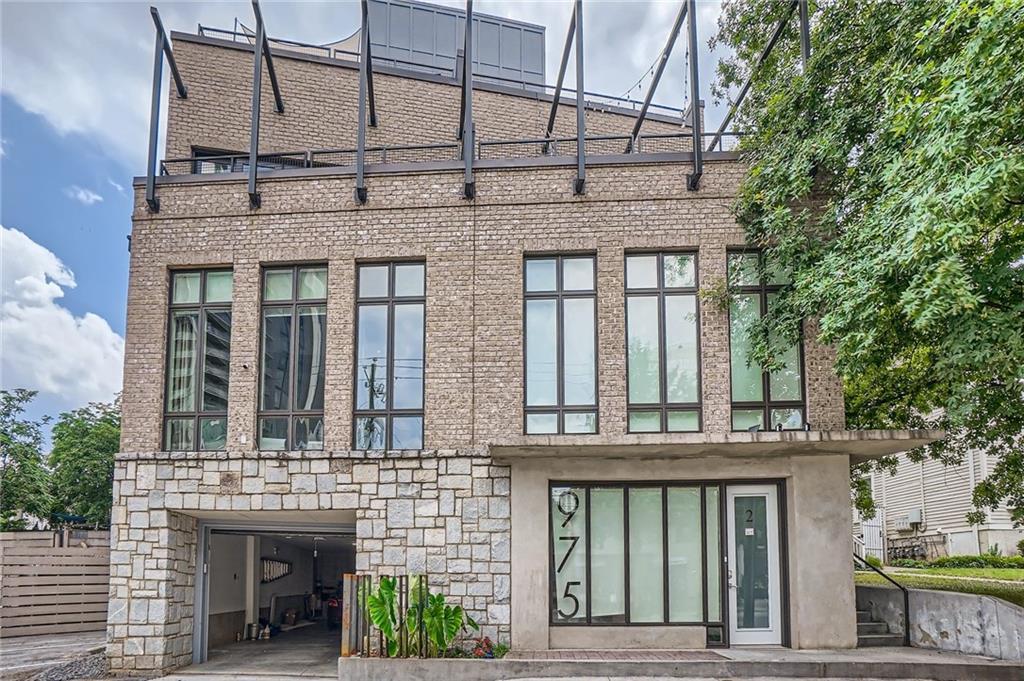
(468, 132)
(693, 180)
(261, 51)
(805, 33)
(779, 30)
(364, 80)
(162, 49)
(561, 75)
(662, 61)
(579, 186)
(278, 102)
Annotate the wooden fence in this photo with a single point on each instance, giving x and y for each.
(53, 582)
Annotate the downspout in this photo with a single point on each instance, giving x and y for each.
(973, 477)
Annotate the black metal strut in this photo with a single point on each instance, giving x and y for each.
(466, 128)
(163, 49)
(261, 51)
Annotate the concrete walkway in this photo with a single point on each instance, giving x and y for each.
(24, 655)
(960, 578)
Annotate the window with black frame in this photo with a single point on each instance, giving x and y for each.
(293, 353)
(560, 322)
(760, 399)
(662, 343)
(198, 349)
(390, 350)
(636, 554)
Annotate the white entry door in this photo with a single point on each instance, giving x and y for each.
(755, 596)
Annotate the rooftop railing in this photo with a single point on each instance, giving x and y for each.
(596, 146)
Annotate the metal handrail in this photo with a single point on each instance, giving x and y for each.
(906, 597)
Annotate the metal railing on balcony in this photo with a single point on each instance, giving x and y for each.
(596, 146)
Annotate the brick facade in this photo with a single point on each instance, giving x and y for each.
(446, 509)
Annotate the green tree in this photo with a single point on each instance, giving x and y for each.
(889, 178)
(24, 478)
(84, 443)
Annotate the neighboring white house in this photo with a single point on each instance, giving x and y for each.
(922, 512)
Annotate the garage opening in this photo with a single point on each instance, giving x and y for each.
(272, 599)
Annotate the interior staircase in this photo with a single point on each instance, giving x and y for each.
(872, 633)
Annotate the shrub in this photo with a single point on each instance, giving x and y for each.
(984, 561)
(1020, 547)
(874, 561)
(909, 563)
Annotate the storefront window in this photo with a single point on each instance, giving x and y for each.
(635, 554)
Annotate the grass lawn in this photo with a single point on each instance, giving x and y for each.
(1008, 592)
(1008, 574)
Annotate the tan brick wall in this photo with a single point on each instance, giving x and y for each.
(473, 251)
(321, 108)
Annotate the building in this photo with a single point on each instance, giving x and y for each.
(519, 393)
(922, 512)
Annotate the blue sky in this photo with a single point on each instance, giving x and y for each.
(74, 116)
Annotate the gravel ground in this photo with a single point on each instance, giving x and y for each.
(89, 667)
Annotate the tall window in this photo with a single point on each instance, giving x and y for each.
(662, 342)
(294, 340)
(759, 397)
(561, 344)
(199, 342)
(636, 553)
(389, 356)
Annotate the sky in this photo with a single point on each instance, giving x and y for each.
(75, 84)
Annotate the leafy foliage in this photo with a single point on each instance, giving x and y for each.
(889, 179)
(84, 444)
(24, 479)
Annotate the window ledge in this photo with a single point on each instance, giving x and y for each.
(860, 445)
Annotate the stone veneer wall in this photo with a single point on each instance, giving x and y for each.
(445, 513)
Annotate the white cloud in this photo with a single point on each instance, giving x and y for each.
(84, 196)
(119, 187)
(104, 91)
(3, 147)
(43, 346)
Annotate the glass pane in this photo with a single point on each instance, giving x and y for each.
(641, 271)
(744, 269)
(683, 422)
(752, 578)
(578, 274)
(716, 635)
(277, 333)
(181, 371)
(569, 546)
(744, 311)
(179, 435)
(747, 419)
(409, 280)
(541, 424)
(786, 384)
(277, 285)
(407, 432)
(218, 287)
(215, 361)
(213, 433)
(643, 352)
(681, 343)
(580, 380)
(685, 573)
(789, 419)
(580, 423)
(777, 276)
(309, 432)
(312, 342)
(645, 421)
(407, 392)
(714, 553)
(370, 432)
(274, 433)
(540, 275)
(607, 557)
(680, 270)
(373, 281)
(541, 353)
(313, 283)
(646, 560)
(372, 358)
(186, 287)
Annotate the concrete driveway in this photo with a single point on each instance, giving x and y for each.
(23, 656)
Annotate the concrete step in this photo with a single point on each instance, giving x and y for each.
(863, 616)
(877, 640)
(867, 628)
